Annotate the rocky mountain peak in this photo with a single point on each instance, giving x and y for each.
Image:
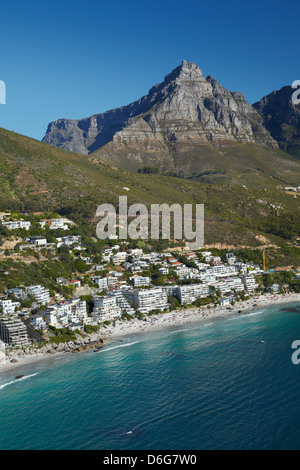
(188, 71)
(184, 109)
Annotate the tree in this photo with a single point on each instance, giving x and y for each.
(81, 266)
(174, 302)
(267, 280)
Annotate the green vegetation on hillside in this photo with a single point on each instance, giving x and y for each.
(38, 177)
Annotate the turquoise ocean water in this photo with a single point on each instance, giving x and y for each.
(212, 385)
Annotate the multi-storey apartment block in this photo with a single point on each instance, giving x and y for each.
(145, 300)
(249, 283)
(139, 281)
(106, 308)
(190, 293)
(40, 293)
(13, 331)
(121, 301)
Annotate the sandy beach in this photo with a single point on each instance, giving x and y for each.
(157, 322)
(25, 362)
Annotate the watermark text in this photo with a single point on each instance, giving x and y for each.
(187, 221)
(2, 92)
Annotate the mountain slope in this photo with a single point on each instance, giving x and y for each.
(35, 176)
(282, 118)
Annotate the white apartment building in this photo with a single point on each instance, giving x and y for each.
(119, 257)
(13, 225)
(230, 284)
(148, 299)
(114, 279)
(139, 281)
(52, 318)
(108, 252)
(241, 267)
(190, 293)
(37, 321)
(134, 268)
(101, 281)
(182, 272)
(40, 293)
(121, 301)
(170, 289)
(230, 258)
(163, 270)
(68, 240)
(253, 269)
(112, 282)
(55, 224)
(208, 257)
(8, 307)
(106, 308)
(17, 292)
(38, 241)
(98, 267)
(73, 309)
(223, 287)
(249, 283)
(186, 273)
(201, 266)
(136, 252)
(75, 326)
(222, 270)
(226, 301)
(208, 278)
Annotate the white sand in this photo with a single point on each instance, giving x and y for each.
(9, 367)
(186, 316)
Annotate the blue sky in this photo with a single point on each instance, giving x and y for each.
(72, 59)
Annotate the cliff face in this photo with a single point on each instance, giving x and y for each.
(282, 118)
(185, 110)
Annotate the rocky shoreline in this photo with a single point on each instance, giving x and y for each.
(17, 357)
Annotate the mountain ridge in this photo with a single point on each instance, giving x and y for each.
(184, 107)
(282, 118)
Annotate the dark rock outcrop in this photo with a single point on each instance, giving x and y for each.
(282, 118)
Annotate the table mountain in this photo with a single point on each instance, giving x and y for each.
(180, 120)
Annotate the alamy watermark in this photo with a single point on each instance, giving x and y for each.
(296, 85)
(188, 222)
(296, 355)
(2, 92)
